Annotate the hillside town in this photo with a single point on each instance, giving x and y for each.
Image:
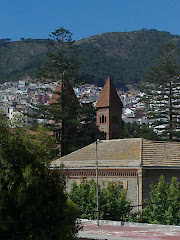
(90, 120)
(21, 97)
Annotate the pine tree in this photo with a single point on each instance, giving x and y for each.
(62, 63)
(135, 130)
(62, 67)
(162, 96)
(69, 119)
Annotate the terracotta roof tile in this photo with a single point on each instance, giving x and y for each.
(56, 94)
(132, 152)
(111, 153)
(160, 154)
(109, 96)
(67, 89)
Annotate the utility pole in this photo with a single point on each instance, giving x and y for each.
(97, 192)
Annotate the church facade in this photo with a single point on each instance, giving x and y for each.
(134, 163)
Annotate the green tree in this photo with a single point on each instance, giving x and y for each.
(84, 196)
(48, 142)
(72, 123)
(62, 63)
(33, 202)
(113, 204)
(173, 212)
(88, 131)
(62, 66)
(163, 96)
(163, 207)
(134, 130)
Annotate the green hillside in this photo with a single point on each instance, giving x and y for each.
(20, 58)
(125, 56)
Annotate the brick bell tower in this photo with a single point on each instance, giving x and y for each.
(109, 111)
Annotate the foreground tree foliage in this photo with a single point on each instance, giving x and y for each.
(48, 142)
(113, 204)
(163, 207)
(33, 202)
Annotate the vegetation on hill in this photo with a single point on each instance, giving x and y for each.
(125, 56)
(20, 58)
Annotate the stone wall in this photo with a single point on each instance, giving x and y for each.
(128, 179)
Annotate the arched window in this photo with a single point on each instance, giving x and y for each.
(102, 118)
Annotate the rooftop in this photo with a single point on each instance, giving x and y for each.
(126, 153)
(109, 96)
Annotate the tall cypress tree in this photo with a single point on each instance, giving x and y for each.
(68, 116)
(162, 96)
(62, 66)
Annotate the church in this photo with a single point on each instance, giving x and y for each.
(133, 163)
(109, 112)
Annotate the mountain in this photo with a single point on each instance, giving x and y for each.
(125, 56)
(20, 58)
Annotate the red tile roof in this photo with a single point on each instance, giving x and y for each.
(109, 96)
(129, 152)
(56, 94)
(66, 88)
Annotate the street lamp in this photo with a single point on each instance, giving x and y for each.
(97, 192)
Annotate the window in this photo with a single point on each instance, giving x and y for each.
(103, 119)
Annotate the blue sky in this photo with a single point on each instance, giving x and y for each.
(84, 18)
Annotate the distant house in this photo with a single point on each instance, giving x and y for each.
(134, 163)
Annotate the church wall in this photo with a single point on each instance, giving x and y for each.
(115, 123)
(103, 126)
(129, 185)
(151, 176)
(112, 125)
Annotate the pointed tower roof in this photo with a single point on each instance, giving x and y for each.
(56, 94)
(109, 96)
(67, 89)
